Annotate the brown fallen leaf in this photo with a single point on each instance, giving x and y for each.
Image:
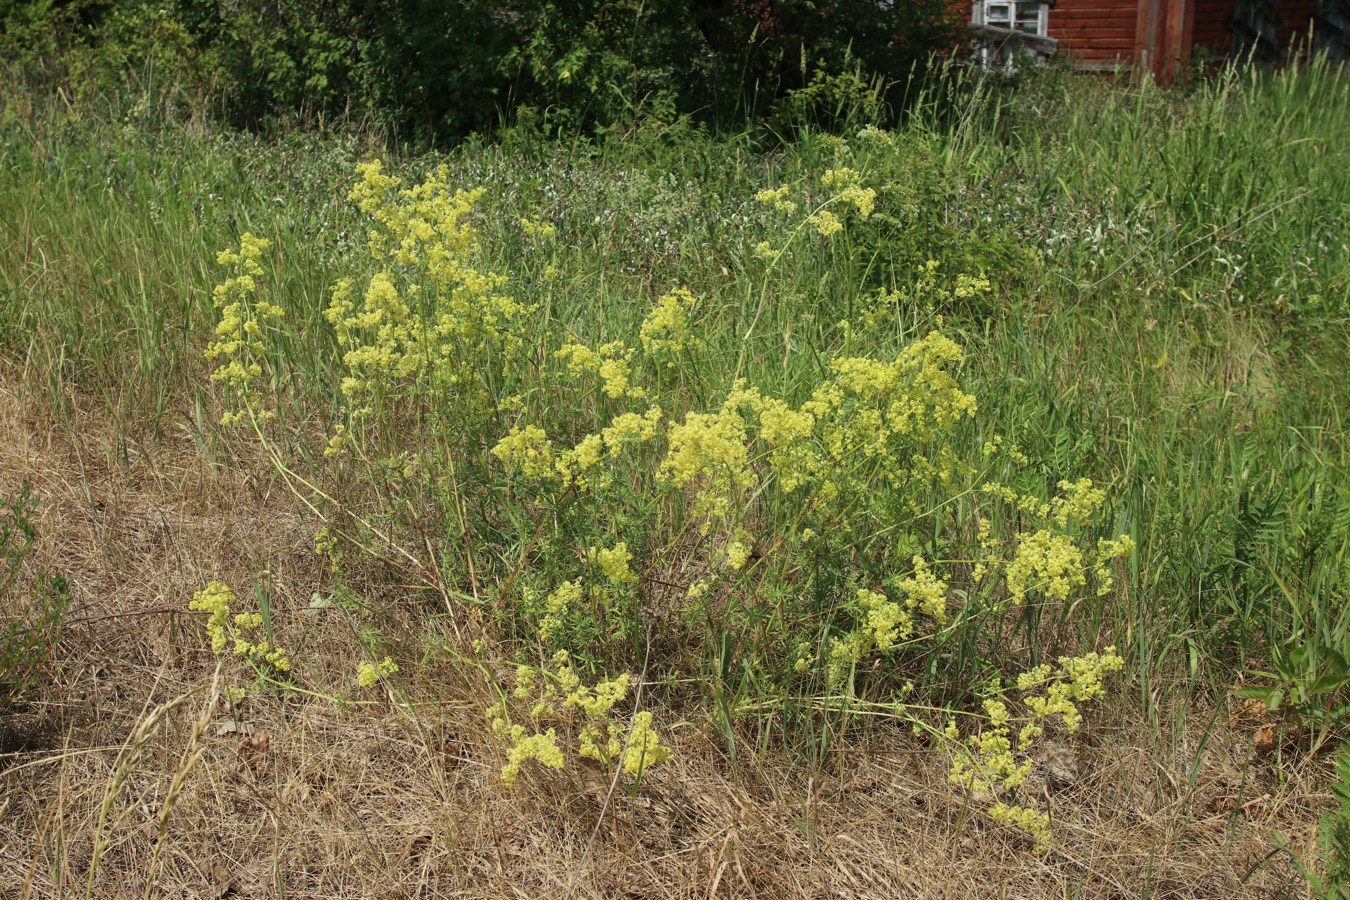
(1250, 709)
(1265, 741)
(1061, 767)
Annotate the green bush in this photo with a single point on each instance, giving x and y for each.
(435, 72)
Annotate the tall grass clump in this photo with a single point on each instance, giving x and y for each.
(1229, 193)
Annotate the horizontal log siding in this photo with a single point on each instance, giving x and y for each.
(1095, 30)
(1104, 30)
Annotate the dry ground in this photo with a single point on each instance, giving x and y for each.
(302, 797)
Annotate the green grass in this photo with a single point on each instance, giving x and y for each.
(1168, 314)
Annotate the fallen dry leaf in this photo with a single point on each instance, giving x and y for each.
(1265, 742)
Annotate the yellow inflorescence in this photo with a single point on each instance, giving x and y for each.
(710, 448)
(429, 313)
(238, 349)
(241, 630)
(665, 331)
(215, 599)
(778, 199)
(368, 674)
(543, 748)
(1051, 560)
(559, 695)
(991, 765)
(613, 362)
(614, 562)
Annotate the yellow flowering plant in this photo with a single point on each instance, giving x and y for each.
(994, 763)
(834, 538)
(245, 635)
(551, 714)
(239, 350)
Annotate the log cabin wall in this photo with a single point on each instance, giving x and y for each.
(1296, 17)
(1212, 31)
(1116, 34)
(1098, 34)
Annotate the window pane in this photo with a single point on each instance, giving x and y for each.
(1029, 17)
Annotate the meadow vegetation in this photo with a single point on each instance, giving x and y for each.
(940, 503)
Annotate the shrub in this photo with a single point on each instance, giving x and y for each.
(434, 72)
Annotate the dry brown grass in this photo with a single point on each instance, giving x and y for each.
(298, 796)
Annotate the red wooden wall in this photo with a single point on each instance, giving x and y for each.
(1106, 32)
(1100, 31)
(1211, 25)
(1297, 19)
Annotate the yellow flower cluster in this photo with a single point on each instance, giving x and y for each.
(1046, 561)
(845, 180)
(991, 765)
(925, 591)
(238, 349)
(874, 136)
(1034, 823)
(847, 191)
(777, 198)
(1078, 680)
(644, 746)
(242, 629)
(556, 607)
(1050, 560)
(528, 451)
(559, 694)
(996, 445)
(543, 748)
(710, 448)
(737, 555)
(864, 419)
(825, 222)
(536, 228)
(215, 599)
(665, 330)
(884, 622)
(368, 674)
(429, 313)
(614, 562)
(613, 362)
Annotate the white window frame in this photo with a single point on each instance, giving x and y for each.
(980, 14)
